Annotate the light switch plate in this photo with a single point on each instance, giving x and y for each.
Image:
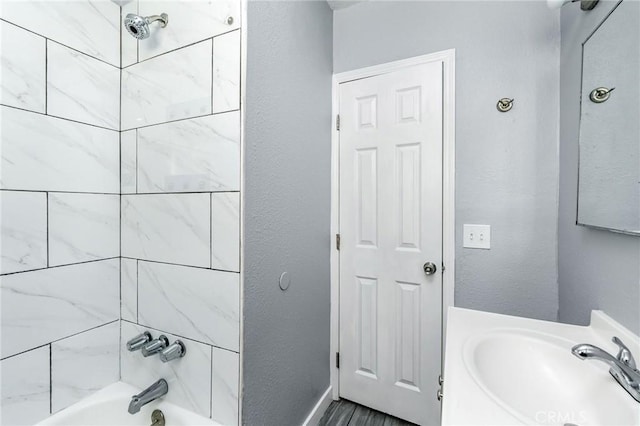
(477, 236)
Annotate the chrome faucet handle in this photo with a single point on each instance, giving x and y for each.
(139, 341)
(624, 354)
(174, 351)
(155, 346)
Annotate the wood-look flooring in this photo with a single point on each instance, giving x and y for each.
(347, 413)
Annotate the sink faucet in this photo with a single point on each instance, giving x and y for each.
(151, 393)
(622, 366)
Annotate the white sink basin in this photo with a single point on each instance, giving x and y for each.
(502, 370)
(535, 377)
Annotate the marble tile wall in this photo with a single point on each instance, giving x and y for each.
(120, 202)
(59, 203)
(88, 26)
(23, 68)
(190, 22)
(170, 228)
(81, 88)
(201, 154)
(25, 387)
(180, 210)
(83, 227)
(40, 152)
(198, 303)
(148, 100)
(54, 303)
(83, 364)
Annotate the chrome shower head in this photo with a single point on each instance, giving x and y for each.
(138, 26)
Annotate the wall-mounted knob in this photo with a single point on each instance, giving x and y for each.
(174, 351)
(600, 94)
(504, 104)
(155, 346)
(139, 341)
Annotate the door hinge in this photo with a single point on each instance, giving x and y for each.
(337, 241)
(337, 359)
(338, 122)
(443, 268)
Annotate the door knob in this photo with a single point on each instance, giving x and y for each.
(430, 268)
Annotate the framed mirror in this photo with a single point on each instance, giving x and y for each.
(609, 169)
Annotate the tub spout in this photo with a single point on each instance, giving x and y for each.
(153, 392)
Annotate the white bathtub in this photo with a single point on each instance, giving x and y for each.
(108, 407)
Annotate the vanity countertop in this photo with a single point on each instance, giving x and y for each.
(506, 370)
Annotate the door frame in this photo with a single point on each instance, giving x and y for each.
(447, 57)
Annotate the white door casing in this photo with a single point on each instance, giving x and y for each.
(391, 223)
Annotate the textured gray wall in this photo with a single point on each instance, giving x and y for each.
(286, 210)
(506, 164)
(597, 269)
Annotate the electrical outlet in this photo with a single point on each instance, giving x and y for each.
(477, 236)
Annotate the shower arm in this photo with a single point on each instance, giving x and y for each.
(164, 19)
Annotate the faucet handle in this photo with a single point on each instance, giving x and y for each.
(155, 346)
(624, 354)
(173, 351)
(139, 341)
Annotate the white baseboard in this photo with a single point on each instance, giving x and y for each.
(321, 406)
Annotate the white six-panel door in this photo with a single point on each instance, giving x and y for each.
(390, 224)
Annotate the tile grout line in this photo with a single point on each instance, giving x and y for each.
(50, 379)
(82, 53)
(47, 216)
(59, 118)
(194, 117)
(62, 266)
(120, 216)
(211, 230)
(136, 160)
(211, 366)
(59, 339)
(120, 350)
(137, 291)
(46, 75)
(72, 192)
(212, 73)
(25, 351)
(181, 265)
(121, 130)
(176, 49)
(120, 37)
